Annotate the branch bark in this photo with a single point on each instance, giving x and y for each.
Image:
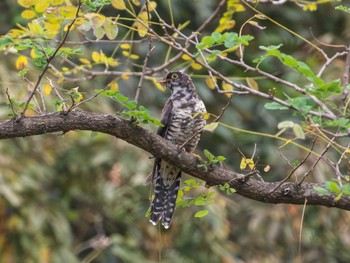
(289, 193)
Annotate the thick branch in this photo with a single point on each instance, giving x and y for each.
(289, 193)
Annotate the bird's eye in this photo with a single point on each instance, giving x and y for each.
(174, 76)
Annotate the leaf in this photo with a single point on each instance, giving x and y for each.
(47, 89)
(243, 163)
(209, 155)
(21, 62)
(298, 131)
(28, 14)
(252, 83)
(333, 187)
(211, 127)
(274, 106)
(118, 4)
(211, 82)
(110, 28)
(285, 124)
(201, 213)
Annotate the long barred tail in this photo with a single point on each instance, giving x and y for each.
(164, 201)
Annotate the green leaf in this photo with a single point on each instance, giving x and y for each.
(343, 8)
(303, 104)
(211, 127)
(131, 104)
(285, 124)
(333, 187)
(272, 47)
(5, 40)
(200, 202)
(201, 213)
(220, 158)
(208, 41)
(274, 106)
(209, 155)
(346, 189)
(216, 36)
(298, 131)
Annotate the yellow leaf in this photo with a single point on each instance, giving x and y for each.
(158, 85)
(21, 62)
(125, 46)
(250, 163)
(28, 14)
(186, 57)
(141, 29)
(206, 115)
(152, 5)
(124, 76)
(41, 6)
(225, 86)
(113, 85)
(56, 2)
(112, 62)
(35, 28)
(134, 56)
(243, 164)
(67, 12)
(34, 53)
(196, 66)
(252, 83)
(211, 82)
(246, 162)
(26, 3)
(47, 89)
(96, 57)
(126, 53)
(143, 16)
(84, 61)
(118, 4)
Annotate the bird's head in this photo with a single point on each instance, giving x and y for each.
(176, 80)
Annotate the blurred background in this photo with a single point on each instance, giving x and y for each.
(80, 197)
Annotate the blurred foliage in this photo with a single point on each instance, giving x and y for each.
(79, 196)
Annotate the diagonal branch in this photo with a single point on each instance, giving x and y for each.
(290, 193)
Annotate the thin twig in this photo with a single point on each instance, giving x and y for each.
(148, 55)
(10, 102)
(48, 61)
(296, 167)
(316, 162)
(345, 79)
(212, 17)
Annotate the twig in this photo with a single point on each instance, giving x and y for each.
(316, 162)
(148, 55)
(10, 102)
(48, 61)
(296, 167)
(345, 79)
(212, 17)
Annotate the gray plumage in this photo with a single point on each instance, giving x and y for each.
(182, 117)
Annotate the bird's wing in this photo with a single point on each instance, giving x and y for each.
(166, 118)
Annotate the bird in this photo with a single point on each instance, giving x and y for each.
(183, 121)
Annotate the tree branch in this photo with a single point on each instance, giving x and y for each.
(289, 192)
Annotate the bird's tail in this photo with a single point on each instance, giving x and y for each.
(164, 201)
